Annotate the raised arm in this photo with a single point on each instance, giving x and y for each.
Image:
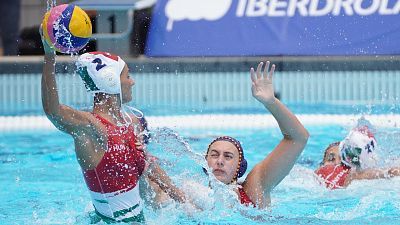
(270, 171)
(63, 117)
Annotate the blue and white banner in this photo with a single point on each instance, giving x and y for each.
(274, 27)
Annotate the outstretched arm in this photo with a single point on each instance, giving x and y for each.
(160, 177)
(269, 172)
(370, 174)
(62, 116)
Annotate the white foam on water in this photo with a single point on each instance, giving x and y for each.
(214, 121)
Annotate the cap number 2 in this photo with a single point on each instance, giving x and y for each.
(99, 63)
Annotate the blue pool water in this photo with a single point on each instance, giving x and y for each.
(162, 110)
(41, 181)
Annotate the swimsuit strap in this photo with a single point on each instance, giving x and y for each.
(244, 198)
(104, 120)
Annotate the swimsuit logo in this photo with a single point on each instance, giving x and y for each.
(119, 147)
(334, 182)
(194, 10)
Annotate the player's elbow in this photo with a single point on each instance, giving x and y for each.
(300, 139)
(51, 109)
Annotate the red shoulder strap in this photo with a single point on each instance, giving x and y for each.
(244, 198)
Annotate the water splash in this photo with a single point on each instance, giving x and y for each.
(172, 142)
(62, 34)
(51, 4)
(219, 202)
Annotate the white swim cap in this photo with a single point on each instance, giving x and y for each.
(101, 71)
(358, 148)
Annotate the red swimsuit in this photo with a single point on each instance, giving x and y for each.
(334, 175)
(121, 165)
(113, 184)
(244, 198)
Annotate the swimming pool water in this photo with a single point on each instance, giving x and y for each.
(166, 110)
(41, 181)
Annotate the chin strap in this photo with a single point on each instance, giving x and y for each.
(127, 110)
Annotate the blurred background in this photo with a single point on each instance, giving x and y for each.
(332, 52)
(19, 28)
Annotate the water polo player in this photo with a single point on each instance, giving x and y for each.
(105, 142)
(225, 155)
(353, 158)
